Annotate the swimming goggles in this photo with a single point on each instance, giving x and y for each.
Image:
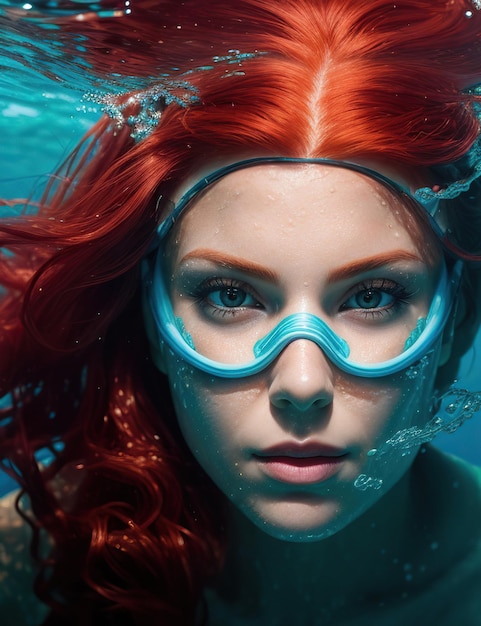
(232, 351)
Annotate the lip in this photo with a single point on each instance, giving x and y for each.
(300, 464)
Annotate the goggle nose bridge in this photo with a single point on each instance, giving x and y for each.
(301, 326)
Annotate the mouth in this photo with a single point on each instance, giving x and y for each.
(300, 465)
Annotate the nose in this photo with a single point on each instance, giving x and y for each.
(302, 378)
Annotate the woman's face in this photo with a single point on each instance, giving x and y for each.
(292, 447)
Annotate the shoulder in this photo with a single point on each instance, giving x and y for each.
(443, 477)
(452, 492)
(450, 489)
(18, 603)
(453, 483)
(444, 581)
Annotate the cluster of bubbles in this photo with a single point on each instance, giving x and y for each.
(452, 409)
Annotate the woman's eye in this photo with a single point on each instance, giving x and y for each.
(231, 297)
(377, 296)
(369, 299)
(225, 296)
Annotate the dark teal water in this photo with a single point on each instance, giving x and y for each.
(42, 118)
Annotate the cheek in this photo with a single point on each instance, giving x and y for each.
(416, 388)
(189, 395)
(398, 400)
(210, 412)
(399, 424)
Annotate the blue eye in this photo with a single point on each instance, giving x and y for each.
(377, 296)
(369, 299)
(225, 296)
(231, 297)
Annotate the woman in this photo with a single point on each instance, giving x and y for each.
(229, 319)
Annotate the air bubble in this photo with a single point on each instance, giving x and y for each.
(456, 405)
(364, 482)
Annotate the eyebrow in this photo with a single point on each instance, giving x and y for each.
(364, 265)
(234, 263)
(342, 273)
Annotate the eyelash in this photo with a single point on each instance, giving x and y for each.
(400, 297)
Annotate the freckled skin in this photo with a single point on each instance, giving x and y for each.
(309, 221)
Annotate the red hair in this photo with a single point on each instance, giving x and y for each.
(134, 529)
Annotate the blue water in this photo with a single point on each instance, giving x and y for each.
(39, 127)
(41, 120)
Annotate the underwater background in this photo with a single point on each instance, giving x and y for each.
(42, 119)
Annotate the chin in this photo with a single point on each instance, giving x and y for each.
(300, 522)
(300, 535)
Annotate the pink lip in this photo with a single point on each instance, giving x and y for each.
(300, 464)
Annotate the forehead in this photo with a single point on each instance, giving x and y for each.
(299, 204)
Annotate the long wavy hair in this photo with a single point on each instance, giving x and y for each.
(126, 527)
